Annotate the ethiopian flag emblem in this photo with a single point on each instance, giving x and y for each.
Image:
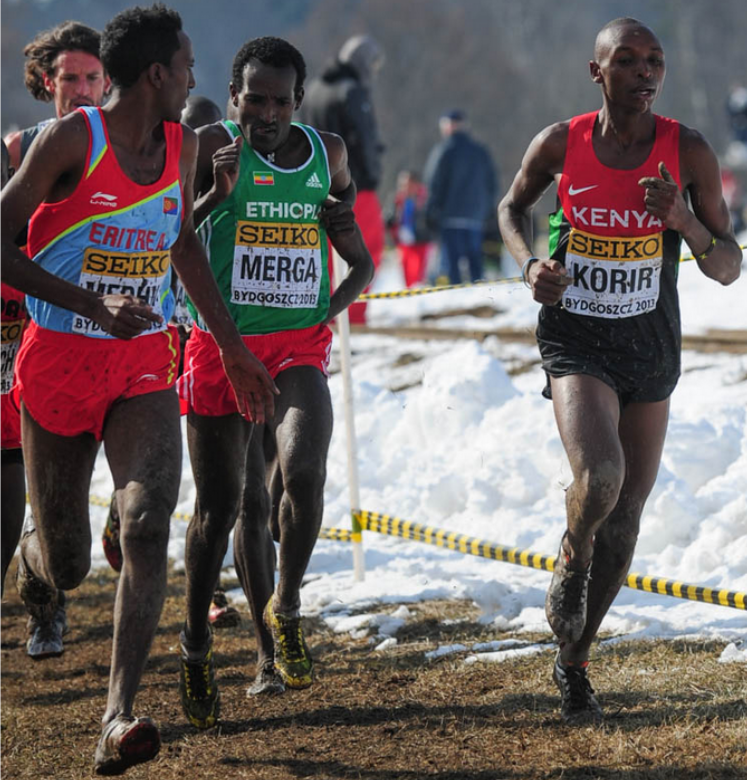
(264, 177)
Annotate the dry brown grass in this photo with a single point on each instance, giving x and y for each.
(672, 710)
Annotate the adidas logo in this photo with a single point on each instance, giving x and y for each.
(314, 181)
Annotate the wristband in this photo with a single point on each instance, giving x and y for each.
(525, 269)
(709, 249)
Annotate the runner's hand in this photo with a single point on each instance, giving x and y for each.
(226, 168)
(252, 384)
(548, 280)
(124, 316)
(337, 216)
(664, 200)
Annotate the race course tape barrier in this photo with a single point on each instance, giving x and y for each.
(444, 287)
(469, 545)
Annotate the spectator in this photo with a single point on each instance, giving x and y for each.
(406, 221)
(340, 101)
(462, 189)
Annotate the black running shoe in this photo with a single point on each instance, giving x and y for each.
(567, 596)
(199, 693)
(578, 707)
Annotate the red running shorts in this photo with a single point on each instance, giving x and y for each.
(204, 385)
(68, 383)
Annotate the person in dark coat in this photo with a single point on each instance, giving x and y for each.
(340, 101)
(462, 188)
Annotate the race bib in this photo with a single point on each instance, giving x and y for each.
(277, 264)
(12, 331)
(140, 274)
(612, 277)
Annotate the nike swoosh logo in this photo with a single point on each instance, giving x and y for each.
(572, 191)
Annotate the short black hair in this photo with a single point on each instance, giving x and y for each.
(269, 51)
(42, 52)
(136, 38)
(200, 111)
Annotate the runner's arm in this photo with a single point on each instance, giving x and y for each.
(51, 170)
(217, 169)
(339, 221)
(707, 229)
(251, 382)
(542, 161)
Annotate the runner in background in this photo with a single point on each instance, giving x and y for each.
(199, 111)
(609, 328)
(62, 67)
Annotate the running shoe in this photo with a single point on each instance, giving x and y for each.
(292, 656)
(47, 621)
(567, 596)
(222, 614)
(126, 741)
(268, 681)
(197, 688)
(578, 706)
(45, 635)
(110, 537)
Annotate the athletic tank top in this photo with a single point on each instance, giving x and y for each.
(266, 245)
(111, 235)
(623, 260)
(13, 322)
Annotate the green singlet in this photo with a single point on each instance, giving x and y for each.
(266, 246)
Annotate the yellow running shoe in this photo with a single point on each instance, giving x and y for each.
(292, 656)
(197, 687)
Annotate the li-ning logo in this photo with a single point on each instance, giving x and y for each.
(314, 181)
(103, 199)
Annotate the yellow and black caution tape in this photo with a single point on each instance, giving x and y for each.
(409, 293)
(470, 545)
(451, 540)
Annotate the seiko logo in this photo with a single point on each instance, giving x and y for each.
(573, 191)
(103, 199)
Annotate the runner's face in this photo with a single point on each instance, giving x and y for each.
(181, 78)
(631, 68)
(266, 104)
(78, 80)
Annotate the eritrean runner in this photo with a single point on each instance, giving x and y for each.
(270, 190)
(108, 195)
(609, 328)
(63, 68)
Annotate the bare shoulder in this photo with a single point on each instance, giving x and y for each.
(64, 141)
(335, 146)
(548, 147)
(697, 158)
(213, 137)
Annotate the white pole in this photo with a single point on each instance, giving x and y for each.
(343, 323)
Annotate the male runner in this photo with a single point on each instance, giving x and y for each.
(62, 67)
(198, 111)
(108, 193)
(13, 481)
(609, 329)
(270, 191)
